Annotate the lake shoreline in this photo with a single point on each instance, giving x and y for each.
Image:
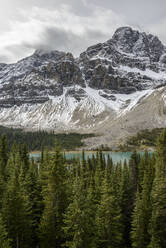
(116, 157)
(149, 149)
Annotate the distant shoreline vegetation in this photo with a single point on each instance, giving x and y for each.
(143, 140)
(37, 140)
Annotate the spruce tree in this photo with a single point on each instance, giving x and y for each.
(32, 192)
(4, 150)
(158, 220)
(109, 219)
(80, 228)
(15, 212)
(133, 165)
(126, 203)
(4, 153)
(143, 207)
(4, 240)
(141, 219)
(55, 201)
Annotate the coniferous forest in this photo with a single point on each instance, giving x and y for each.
(92, 203)
(38, 139)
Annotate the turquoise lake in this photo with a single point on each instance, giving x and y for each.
(116, 156)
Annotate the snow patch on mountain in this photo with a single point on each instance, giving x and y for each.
(59, 112)
(149, 73)
(53, 90)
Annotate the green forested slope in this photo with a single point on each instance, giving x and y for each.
(39, 139)
(76, 204)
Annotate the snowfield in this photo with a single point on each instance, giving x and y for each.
(62, 112)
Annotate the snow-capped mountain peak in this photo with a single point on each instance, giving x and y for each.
(53, 90)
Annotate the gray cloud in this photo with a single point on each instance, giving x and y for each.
(72, 25)
(57, 39)
(4, 59)
(140, 12)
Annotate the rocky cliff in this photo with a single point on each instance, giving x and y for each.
(54, 90)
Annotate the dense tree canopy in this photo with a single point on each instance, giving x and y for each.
(38, 139)
(90, 203)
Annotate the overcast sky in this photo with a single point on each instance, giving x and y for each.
(72, 25)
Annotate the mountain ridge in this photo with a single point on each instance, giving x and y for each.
(52, 90)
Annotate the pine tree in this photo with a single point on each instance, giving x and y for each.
(141, 219)
(161, 147)
(158, 220)
(55, 202)
(80, 229)
(133, 165)
(4, 240)
(109, 219)
(73, 228)
(109, 163)
(15, 212)
(98, 177)
(24, 157)
(143, 208)
(126, 203)
(32, 191)
(4, 150)
(143, 164)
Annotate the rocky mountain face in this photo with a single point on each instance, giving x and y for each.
(53, 90)
(33, 79)
(126, 63)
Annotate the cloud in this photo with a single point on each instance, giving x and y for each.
(72, 25)
(59, 29)
(159, 29)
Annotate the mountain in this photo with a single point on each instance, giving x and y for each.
(114, 88)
